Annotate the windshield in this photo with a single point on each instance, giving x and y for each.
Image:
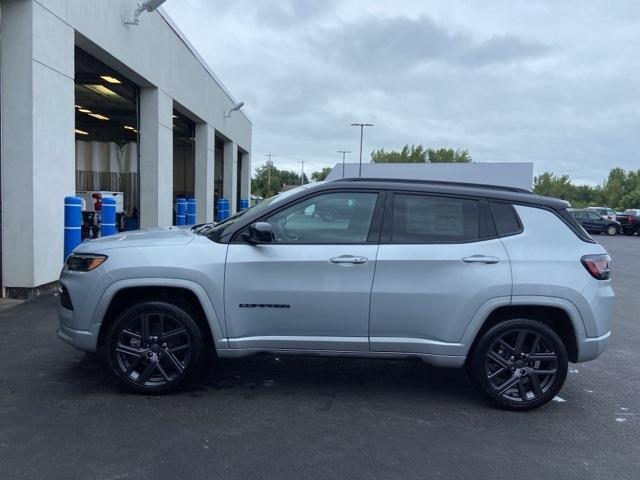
(214, 231)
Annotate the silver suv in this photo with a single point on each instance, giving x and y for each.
(498, 280)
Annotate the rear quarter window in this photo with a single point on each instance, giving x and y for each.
(506, 219)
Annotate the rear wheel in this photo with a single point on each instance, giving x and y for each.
(519, 364)
(154, 347)
(612, 230)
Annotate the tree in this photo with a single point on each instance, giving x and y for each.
(551, 185)
(408, 154)
(620, 191)
(448, 155)
(321, 175)
(418, 154)
(269, 180)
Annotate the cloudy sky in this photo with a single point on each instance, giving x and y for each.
(556, 83)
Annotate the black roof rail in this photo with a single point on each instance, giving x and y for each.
(437, 182)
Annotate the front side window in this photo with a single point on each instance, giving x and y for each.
(433, 219)
(343, 217)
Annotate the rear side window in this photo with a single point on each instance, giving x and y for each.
(433, 219)
(507, 221)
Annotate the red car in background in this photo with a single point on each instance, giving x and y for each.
(630, 221)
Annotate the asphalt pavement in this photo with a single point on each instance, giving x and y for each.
(63, 417)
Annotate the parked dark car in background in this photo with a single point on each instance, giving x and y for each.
(630, 221)
(593, 222)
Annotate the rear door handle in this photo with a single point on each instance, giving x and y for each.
(480, 259)
(342, 259)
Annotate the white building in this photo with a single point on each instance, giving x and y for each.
(508, 174)
(89, 103)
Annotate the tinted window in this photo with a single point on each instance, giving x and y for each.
(594, 216)
(507, 222)
(329, 218)
(432, 219)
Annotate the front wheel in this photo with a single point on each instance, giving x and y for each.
(153, 347)
(519, 364)
(612, 230)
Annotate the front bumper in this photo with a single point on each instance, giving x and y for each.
(86, 340)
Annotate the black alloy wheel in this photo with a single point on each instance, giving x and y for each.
(519, 364)
(154, 347)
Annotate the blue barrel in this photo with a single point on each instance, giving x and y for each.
(72, 224)
(219, 210)
(244, 204)
(181, 211)
(108, 217)
(226, 209)
(192, 206)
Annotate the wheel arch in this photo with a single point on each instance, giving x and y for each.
(181, 292)
(556, 313)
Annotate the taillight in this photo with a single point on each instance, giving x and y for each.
(597, 266)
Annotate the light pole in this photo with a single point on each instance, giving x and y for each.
(343, 152)
(269, 163)
(361, 125)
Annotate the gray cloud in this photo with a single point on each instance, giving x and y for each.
(554, 83)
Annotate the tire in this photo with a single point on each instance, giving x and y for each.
(161, 360)
(612, 230)
(523, 383)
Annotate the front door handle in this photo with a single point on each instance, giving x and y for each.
(342, 259)
(480, 259)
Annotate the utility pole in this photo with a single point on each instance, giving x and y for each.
(302, 176)
(361, 125)
(343, 152)
(269, 163)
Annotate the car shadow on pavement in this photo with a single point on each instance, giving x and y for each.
(282, 375)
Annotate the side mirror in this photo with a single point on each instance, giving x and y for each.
(259, 232)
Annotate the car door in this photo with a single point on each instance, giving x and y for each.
(310, 287)
(438, 263)
(595, 222)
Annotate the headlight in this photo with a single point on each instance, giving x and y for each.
(84, 262)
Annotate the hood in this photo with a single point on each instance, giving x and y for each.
(153, 237)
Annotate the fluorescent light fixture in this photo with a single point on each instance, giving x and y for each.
(102, 90)
(129, 127)
(84, 110)
(98, 116)
(77, 106)
(110, 79)
(81, 132)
